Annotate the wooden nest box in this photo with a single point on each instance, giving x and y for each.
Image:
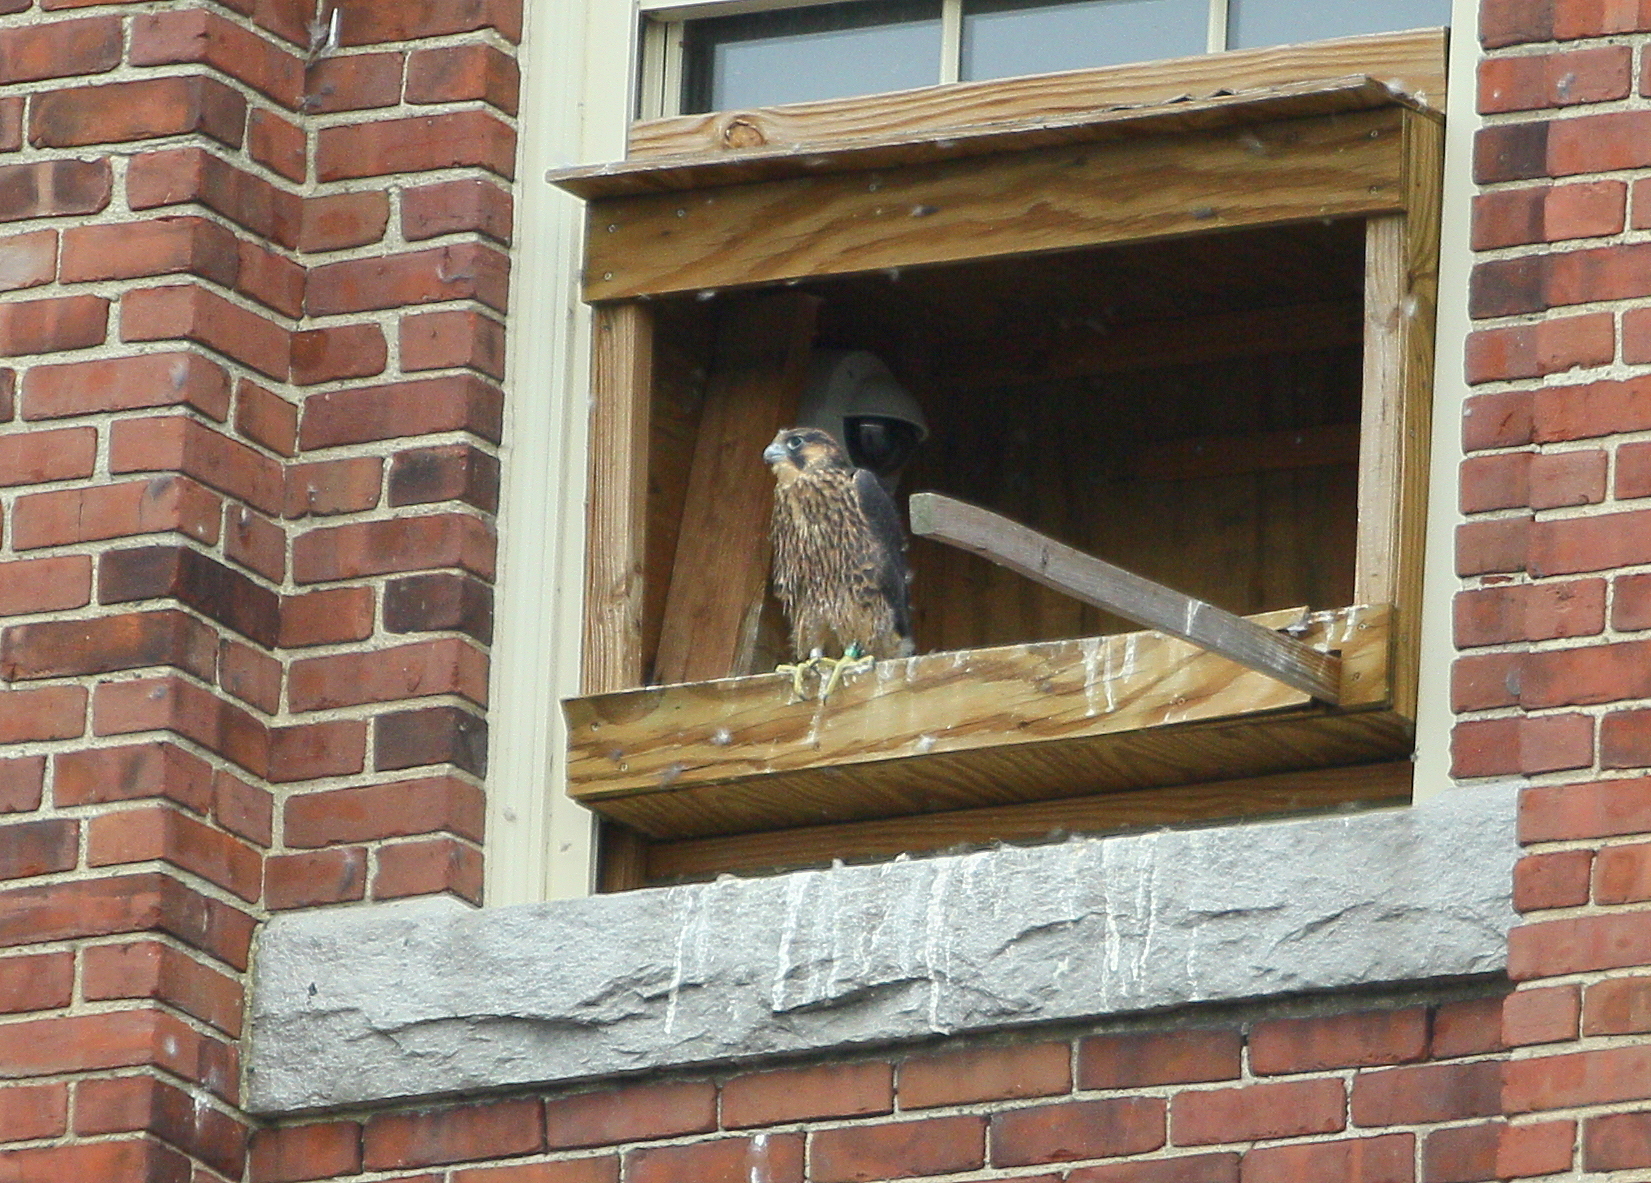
(1191, 338)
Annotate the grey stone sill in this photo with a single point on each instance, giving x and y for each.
(390, 1002)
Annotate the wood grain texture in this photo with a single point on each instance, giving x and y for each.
(616, 509)
(1124, 593)
(1412, 62)
(1100, 813)
(957, 730)
(1044, 199)
(1206, 456)
(722, 552)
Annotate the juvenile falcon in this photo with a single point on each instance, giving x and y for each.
(839, 557)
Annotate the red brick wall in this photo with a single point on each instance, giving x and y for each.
(1556, 674)
(252, 289)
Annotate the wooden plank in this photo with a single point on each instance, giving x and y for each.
(1412, 62)
(1009, 203)
(1094, 581)
(616, 508)
(1281, 793)
(913, 735)
(722, 553)
(1237, 455)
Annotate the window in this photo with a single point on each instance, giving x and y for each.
(699, 60)
(1062, 292)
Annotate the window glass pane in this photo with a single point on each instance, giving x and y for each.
(1253, 23)
(824, 52)
(1002, 38)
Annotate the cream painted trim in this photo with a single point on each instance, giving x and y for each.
(1439, 582)
(578, 71)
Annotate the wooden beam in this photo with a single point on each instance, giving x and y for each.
(1013, 202)
(1413, 62)
(722, 552)
(1124, 593)
(617, 501)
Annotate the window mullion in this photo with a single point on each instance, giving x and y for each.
(1217, 42)
(951, 40)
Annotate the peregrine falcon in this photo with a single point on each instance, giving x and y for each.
(839, 556)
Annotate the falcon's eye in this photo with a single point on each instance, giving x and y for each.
(794, 442)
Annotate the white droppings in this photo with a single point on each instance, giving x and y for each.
(925, 743)
(721, 737)
(759, 1159)
(1090, 647)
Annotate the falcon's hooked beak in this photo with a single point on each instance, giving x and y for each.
(774, 453)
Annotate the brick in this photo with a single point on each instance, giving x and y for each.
(1576, 945)
(772, 1158)
(573, 1170)
(1495, 747)
(171, 704)
(53, 188)
(1423, 1093)
(1507, 287)
(354, 82)
(53, 712)
(1636, 336)
(11, 119)
(1599, 143)
(460, 338)
(342, 351)
(986, 1074)
(39, 457)
(1530, 612)
(1567, 478)
(1547, 1015)
(1174, 1057)
(1257, 1111)
(266, 418)
(146, 902)
(255, 542)
(439, 602)
(1187, 1168)
(178, 176)
(1077, 1129)
(1622, 874)
(124, 384)
(797, 1094)
(320, 1150)
(135, 640)
(388, 810)
(424, 406)
(457, 271)
(379, 21)
(341, 220)
(1387, 1158)
(1338, 1041)
(177, 444)
(431, 735)
(452, 207)
(249, 675)
(1625, 739)
(194, 314)
(121, 112)
(1591, 409)
(1492, 547)
(39, 848)
(1591, 674)
(270, 278)
(242, 809)
(1554, 346)
(33, 1111)
(43, 981)
(1589, 209)
(195, 35)
(327, 617)
(447, 472)
(421, 144)
(45, 585)
(638, 1113)
(1633, 471)
(278, 144)
(118, 1039)
(447, 666)
(59, 49)
(149, 969)
(22, 783)
(161, 246)
(478, 71)
(1591, 810)
(903, 1150)
(1616, 1142)
(1510, 152)
(143, 1103)
(53, 325)
(326, 487)
(194, 579)
(1617, 1006)
(1527, 83)
(309, 751)
(487, 1130)
(1558, 879)
(1509, 217)
(8, 394)
(314, 878)
(429, 868)
(1593, 18)
(1580, 1078)
(400, 544)
(126, 1159)
(29, 260)
(161, 833)
(1541, 1149)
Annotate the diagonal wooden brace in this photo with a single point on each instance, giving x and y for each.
(1094, 581)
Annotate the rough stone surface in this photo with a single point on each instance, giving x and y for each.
(407, 1000)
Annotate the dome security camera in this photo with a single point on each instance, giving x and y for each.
(855, 397)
